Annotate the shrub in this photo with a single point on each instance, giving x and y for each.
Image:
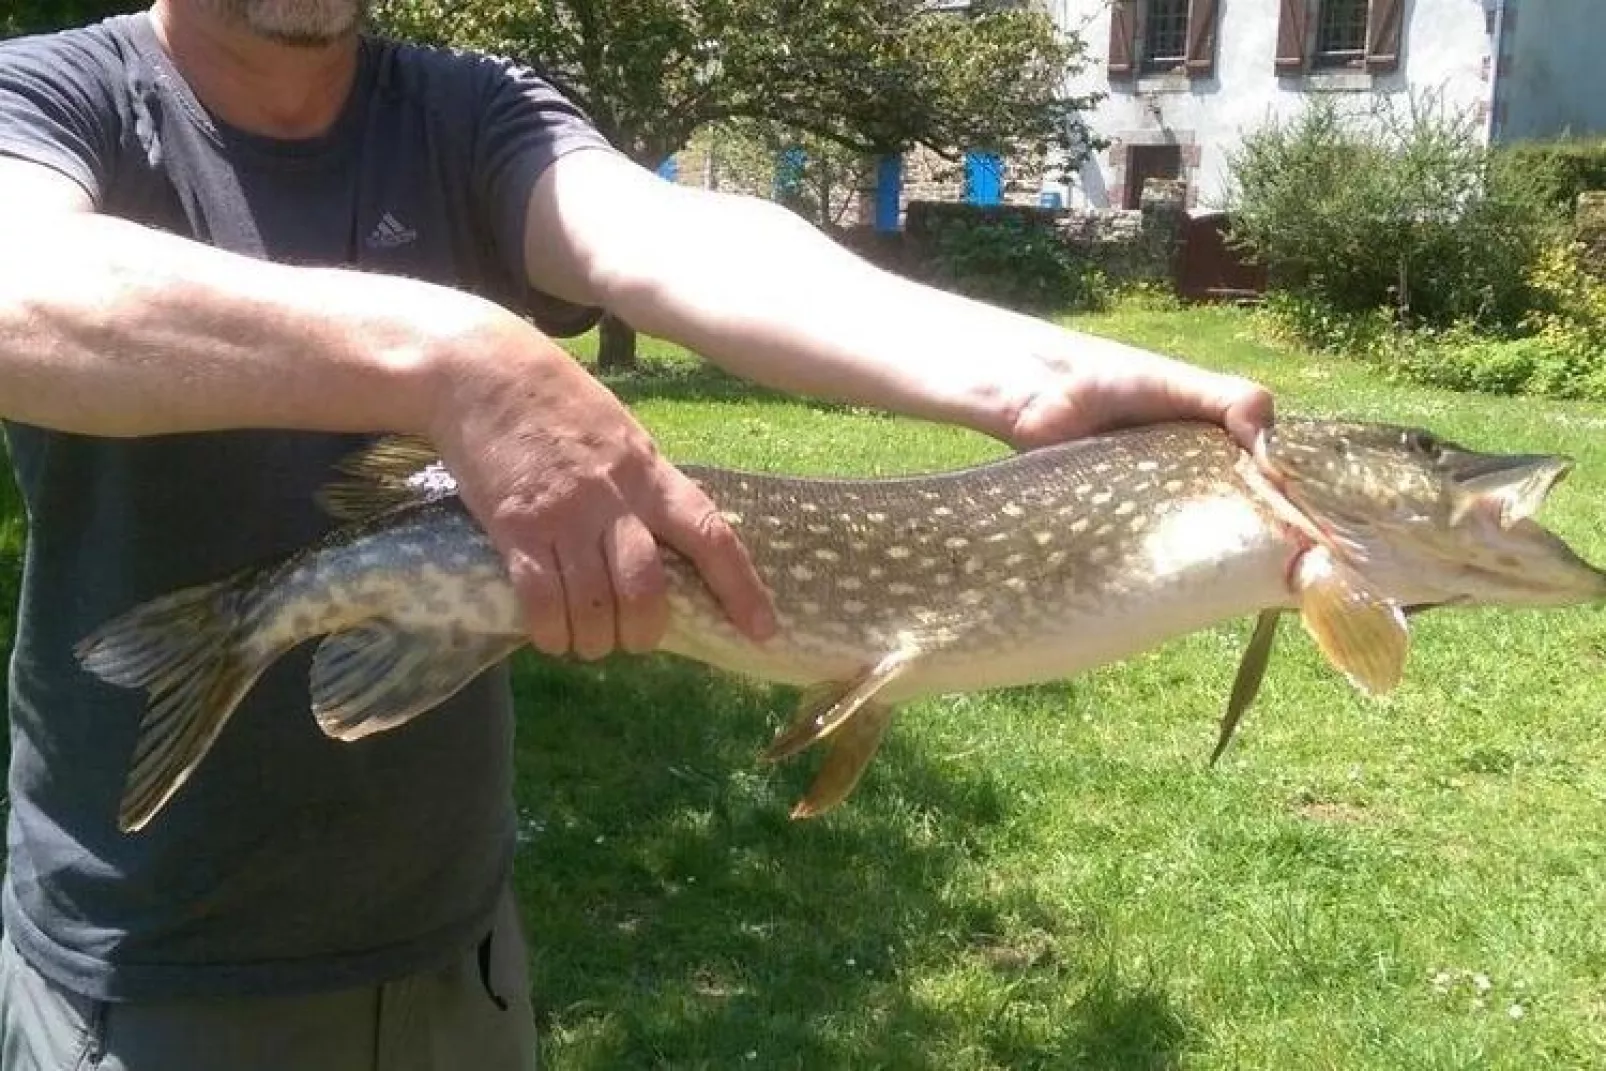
(1406, 211)
(1561, 352)
(1568, 168)
(1011, 258)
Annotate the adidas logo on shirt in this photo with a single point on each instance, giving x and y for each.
(391, 232)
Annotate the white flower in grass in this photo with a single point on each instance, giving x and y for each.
(1516, 1011)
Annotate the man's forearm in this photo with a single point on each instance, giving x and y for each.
(110, 328)
(825, 323)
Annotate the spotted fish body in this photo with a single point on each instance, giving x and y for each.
(1024, 570)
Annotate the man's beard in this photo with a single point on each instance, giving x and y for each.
(299, 23)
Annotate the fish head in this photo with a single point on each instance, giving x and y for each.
(1430, 522)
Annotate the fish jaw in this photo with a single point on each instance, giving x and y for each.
(1428, 522)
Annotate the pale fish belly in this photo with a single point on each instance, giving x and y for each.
(1209, 561)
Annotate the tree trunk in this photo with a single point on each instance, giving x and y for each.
(617, 353)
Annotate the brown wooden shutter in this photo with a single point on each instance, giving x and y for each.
(1293, 23)
(1123, 36)
(1383, 25)
(1202, 37)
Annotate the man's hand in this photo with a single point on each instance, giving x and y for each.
(574, 493)
(1121, 386)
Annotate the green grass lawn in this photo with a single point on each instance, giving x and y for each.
(1052, 877)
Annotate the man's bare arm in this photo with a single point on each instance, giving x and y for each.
(114, 329)
(756, 289)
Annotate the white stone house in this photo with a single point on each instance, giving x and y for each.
(1184, 80)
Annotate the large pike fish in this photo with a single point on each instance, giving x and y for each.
(1028, 569)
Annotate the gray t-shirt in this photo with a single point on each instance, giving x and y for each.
(289, 862)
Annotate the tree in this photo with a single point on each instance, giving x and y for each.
(869, 76)
(39, 16)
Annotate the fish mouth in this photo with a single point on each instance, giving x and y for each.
(1512, 487)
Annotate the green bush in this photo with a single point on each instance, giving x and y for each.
(1408, 212)
(1011, 259)
(1568, 168)
(1560, 351)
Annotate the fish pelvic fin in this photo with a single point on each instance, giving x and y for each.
(184, 650)
(826, 708)
(848, 754)
(1362, 633)
(397, 470)
(1251, 671)
(377, 676)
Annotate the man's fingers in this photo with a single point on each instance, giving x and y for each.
(1249, 411)
(692, 525)
(535, 577)
(639, 585)
(588, 594)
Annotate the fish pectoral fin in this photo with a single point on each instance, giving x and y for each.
(825, 708)
(397, 470)
(848, 754)
(1362, 633)
(377, 675)
(1251, 671)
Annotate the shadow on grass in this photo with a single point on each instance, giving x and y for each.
(679, 918)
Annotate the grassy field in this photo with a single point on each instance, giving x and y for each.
(1052, 877)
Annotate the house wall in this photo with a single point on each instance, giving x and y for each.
(1445, 48)
(1552, 81)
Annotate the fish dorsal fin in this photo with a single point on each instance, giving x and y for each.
(377, 675)
(1251, 671)
(848, 754)
(824, 708)
(1362, 633)
(394, 471)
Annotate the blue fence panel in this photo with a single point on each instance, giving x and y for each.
(789, 172)
(888, 192)
(984, 178)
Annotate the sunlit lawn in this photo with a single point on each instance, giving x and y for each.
(1052, 877)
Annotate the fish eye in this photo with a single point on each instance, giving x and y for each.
(1424, 443)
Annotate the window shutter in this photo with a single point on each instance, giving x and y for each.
(1123, 36)
(1293, 22)
(1383, 25)
(1201, 59)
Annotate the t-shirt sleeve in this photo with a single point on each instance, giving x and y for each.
(57, 107)
(527, 124)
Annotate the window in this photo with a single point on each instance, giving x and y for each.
(1165, 35)
(1162, 35)
(1341, 33)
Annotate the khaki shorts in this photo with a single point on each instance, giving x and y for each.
(472, 1015)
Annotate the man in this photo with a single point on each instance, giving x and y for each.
(236, 235)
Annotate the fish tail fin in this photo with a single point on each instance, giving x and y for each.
(184, 649)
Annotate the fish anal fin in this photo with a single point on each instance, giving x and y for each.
(1362, 633)
(826, 708)
(377, 676)
(394, 471)
(1251, 672)
(848, 754)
